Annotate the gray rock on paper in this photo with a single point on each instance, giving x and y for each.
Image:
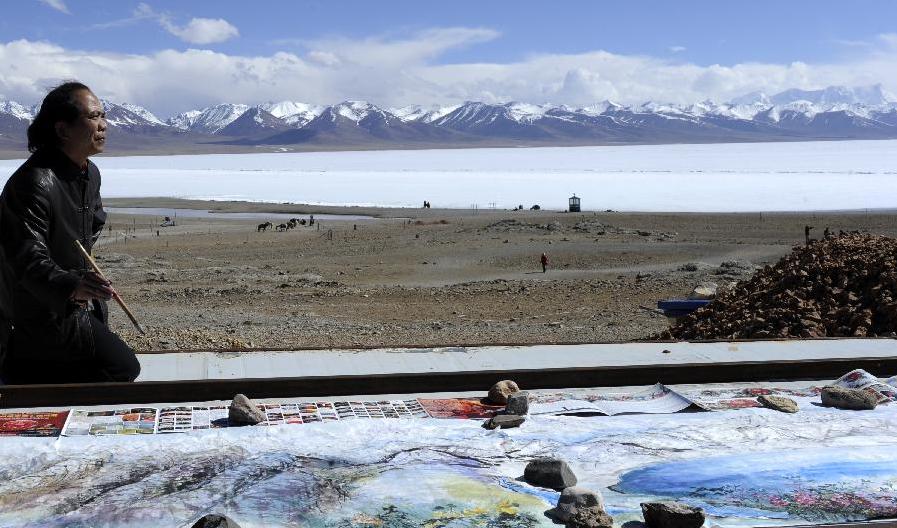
(549, 473)
(244, 411)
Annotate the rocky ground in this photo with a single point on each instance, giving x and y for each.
(842, 286)
(430, 277)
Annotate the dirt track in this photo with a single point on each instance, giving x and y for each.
(440, 278)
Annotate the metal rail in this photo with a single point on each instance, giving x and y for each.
(410, 383)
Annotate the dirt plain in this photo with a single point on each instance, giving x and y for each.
(428, 277)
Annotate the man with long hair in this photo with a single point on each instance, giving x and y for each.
(56, 305)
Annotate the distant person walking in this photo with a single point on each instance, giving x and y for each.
(544, 261)
(807, 229)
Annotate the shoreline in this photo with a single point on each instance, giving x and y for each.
(243, 206)
(19, 152)
(236, 206)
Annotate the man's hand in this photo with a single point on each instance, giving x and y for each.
(92, 286)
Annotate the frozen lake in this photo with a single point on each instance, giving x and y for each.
(840, 175)
(202, 213)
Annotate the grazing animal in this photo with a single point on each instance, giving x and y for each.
(302, 221)
(265, 226)
(282, 227)
(292, 223)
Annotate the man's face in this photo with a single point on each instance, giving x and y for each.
(86, 135)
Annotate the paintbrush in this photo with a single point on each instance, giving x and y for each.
(115, 294)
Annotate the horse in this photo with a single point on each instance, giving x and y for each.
(265, 226)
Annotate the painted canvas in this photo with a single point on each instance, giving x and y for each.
(459, 408)
(32, 423)
(657, 399)
(746, 467)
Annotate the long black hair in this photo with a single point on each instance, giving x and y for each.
(58, 105)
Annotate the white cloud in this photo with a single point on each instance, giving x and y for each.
(197, 31)
(324, 58)
(399, 71)
(676, 49)
(416, 49)
(58, 5)
(582, 86)
(884, 42)
(141, 12)
(888, 41)
(202, 30)
(852, 43)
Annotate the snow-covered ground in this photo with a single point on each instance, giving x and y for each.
(837, 175)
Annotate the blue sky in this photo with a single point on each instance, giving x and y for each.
(171, 56)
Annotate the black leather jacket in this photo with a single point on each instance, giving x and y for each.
(47, 204)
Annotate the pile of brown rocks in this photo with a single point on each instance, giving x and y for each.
(843, 286)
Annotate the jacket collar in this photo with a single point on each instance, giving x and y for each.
(62, 165)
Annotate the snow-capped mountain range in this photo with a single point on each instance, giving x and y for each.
(831, 113)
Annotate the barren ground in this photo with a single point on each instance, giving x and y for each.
(429, 277)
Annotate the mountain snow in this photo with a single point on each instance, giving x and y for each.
(143, 112)
(283, 108)
(185, 120)
(742, 111)
(355, 110)
(524, 112)
(411, 112)
(866, 95)
(472, 113)
(129, 115)
(806, 108)
(865, 106)
(751, 99)
(16, 110)
(292, 112)
(603, 107)
(652, 107)
(422, 114)
(209, 120)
